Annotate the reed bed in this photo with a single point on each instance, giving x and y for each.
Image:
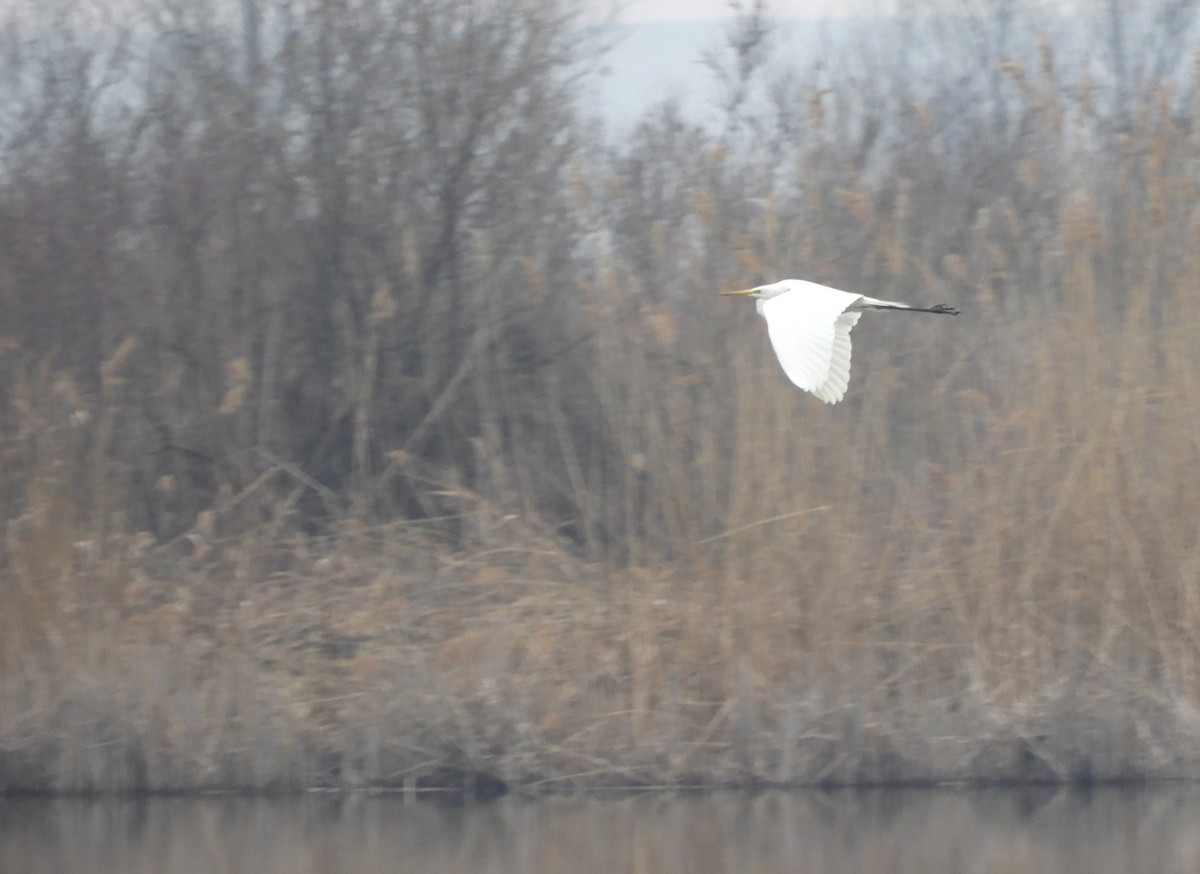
(292, 503)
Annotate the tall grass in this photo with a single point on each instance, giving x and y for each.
(343, 502)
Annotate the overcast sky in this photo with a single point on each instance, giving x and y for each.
(707, 10)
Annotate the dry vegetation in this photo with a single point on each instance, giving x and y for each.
(369, 417)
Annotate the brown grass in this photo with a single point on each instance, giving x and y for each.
(607, 543)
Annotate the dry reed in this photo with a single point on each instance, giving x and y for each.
(605, 542)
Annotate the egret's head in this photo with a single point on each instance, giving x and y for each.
(763, 291)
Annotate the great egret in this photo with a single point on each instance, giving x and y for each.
(809, 326)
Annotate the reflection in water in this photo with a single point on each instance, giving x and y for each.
(921, 831)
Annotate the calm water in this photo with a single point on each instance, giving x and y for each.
(1122, 831)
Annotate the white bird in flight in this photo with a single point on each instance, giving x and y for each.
(809, 326)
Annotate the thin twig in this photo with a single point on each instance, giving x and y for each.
(748, 526)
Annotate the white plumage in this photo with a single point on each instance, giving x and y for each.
(809, 326)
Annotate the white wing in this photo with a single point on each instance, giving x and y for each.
(810, 332)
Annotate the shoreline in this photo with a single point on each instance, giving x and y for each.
(459, 793)
(338, 672)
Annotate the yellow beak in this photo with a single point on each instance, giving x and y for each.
(739, 291)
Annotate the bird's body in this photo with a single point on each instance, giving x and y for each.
(809, 326)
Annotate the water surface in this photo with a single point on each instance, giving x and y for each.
(1104, 831)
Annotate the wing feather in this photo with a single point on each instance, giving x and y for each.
(810, 333)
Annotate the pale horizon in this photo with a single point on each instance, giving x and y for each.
(641, 11)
